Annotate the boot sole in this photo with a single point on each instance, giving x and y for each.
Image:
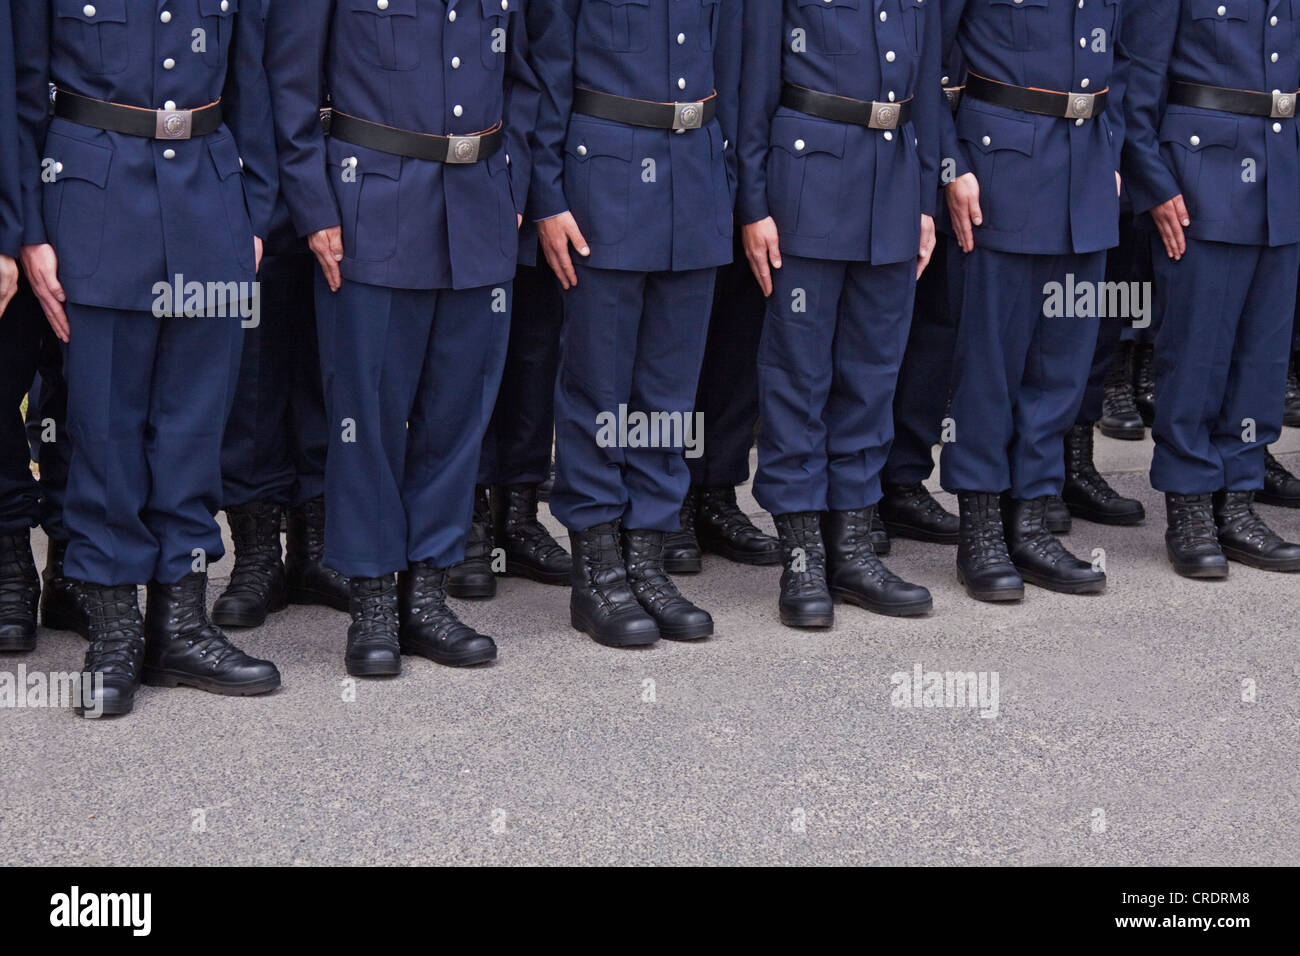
(684, 566)
(913, 533)
(1262, 564)
(992, 595)
(107, 711)
(310, 597)
(375, 669)
(644, 639)
(687, 633)
(539, 575)
(1264, 498)
(1117, 521)
(153, 677)
(737, 556)
(246, 621)
(1062, 587)
(472, 592)
(808, 622)
(452, 660)
(1124, 434)
(914, 609)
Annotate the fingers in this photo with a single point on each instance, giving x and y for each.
(961, 222)
(773, 251)
(52, 306)
(257, 254)
(6, 296)
(923, 260)
(557, 257)
(329, 267)
(758, 264)
(1180, 209)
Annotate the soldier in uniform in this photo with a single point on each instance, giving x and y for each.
(133, 196)
(1213, 154)
(1035, 201)
(273, 454)
(839, 180)
(412, 206)
(516, 456)
(711, 518)
(633, 192)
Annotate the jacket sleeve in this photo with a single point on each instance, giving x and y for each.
(760, 95)
(930, 108)
(1118, 90)
(246, 98)
(953, 159)
(728, 64)
(11, 223)
(552, 33)
(32, 36)
(522, 93)
(297, 36)
(1147, 44)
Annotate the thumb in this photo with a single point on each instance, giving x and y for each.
(575, 236)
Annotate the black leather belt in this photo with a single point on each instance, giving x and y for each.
(842, 109)
(135, 120)
(1245, 102)
(619, 109)
(454, 150)
(1075, 106)
(953, 95)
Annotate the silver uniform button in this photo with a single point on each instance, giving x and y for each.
(458, 110)
(89, 10)
(888, 136)
(169, 64)
(165, 16)
(582, 150)
(1277, 127)
(455, 63)
(890, 57)
(225, 6)
(799, 145)
(58, 167)
(681, 38)
(451, 17)
(988, 140)
(169, 154)
(169, 105)
(1195, 141)
(382, 4)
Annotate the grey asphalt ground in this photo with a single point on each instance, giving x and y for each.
(1122, 736)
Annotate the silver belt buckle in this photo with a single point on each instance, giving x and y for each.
(1283, 106)
(884, 115)
(463, 150)
(1081, 106)
(688, 116)
(174, 124)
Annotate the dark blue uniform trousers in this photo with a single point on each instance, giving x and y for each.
(1221, 360)
(411, 377)
(833, 340)
(1018, 376)
(275, 442)
(921, 401)
(517, 446)
(147, 404)
(631, 339)
(29, 350)
(728, 392)
(1129, 262)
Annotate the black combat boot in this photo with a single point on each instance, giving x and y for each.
(20, 592)
(1291, 410)
(1281, 488)
(723, 529)
(530, 550)
(603, 605)
(880, 536)
(546, 487)
(1087, 494)
(183, 647)
(309, 580)
(1144, 382)
(855, 574)
(1120, 417)
(805, 593)
(1056, 513)
(1040, 557)
(62, 607)
(910, 511)
(115, 658)
(1245, 537)
(429, 628)
(678, 619)
(473, 577)
(1191, 540)
(373, 649)
(682, 553)
(983, 565)
(257, 583)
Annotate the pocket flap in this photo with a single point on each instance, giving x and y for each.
(92, 11)
(1209, 10)
(850, 4)
(1019, 4)
(78, 159)
(596, 139)
(225, 156)
(802, 137)
(990, 132)
(1196, 131)
(218, 8)
(383, 8)
(366, 162)
(499, 8)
